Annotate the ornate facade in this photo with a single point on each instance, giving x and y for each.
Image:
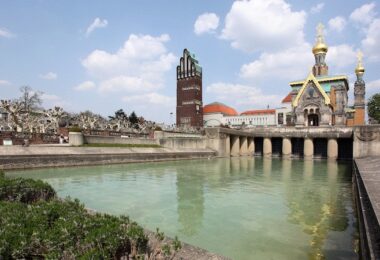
(321, 99)
(189, 92)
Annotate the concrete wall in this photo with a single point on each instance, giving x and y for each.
(97, 139)
(366, 141)
(183, 142)
(18, 157)
(166, 134)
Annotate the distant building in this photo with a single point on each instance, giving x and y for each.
(321, 99)
(189, 92)
(219, 114)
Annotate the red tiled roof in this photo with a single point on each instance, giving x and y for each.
(288, 98)
(217, 107)
(259, 112)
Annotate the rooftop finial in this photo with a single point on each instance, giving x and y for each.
(320, 45)
(320, 36)
(359, 67)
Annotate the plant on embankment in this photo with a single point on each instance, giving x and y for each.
(24, 190)
(34, 225)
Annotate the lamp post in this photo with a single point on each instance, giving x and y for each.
(171, 119)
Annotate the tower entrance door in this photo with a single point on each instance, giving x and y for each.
(313, 120)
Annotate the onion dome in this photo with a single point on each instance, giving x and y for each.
(217, 107)
(320, 45)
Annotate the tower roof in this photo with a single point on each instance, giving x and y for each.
(217, 107)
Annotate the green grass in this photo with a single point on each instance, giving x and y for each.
(124, 145)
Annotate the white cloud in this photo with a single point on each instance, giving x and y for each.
(6, 33)
(152, 105)
(4, 82)
(263, 25)
(150, 98)
(371, 43)
(373, 86)
(138, 66)
(127, 84)
(340, 56)
(206, 23)
(49, 76)
(295, 63)
(97, 23)
(317, 8)
(87, 85)
(238, 95)
(288, 64)
(51, 100)
(364, 14)
(337, 24)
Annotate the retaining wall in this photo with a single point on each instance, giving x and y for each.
(97, 139)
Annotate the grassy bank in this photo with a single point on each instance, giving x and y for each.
(35, 224)
(124, 145)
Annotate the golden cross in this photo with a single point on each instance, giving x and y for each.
(360, 57)
(320, 28)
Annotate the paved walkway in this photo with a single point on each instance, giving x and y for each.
(368, 187)
(369, 169)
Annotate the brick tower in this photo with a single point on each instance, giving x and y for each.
(359, 92)
(189, 92)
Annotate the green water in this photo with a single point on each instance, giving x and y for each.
(244, 208)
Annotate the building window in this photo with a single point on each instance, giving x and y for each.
(280, 119)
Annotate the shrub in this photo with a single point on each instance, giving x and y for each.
(24, 190)
(34, 224)
(75, 129)
(64, 229)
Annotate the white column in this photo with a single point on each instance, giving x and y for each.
(308, 148)
(286, 147)
(235, 147)
(243, 145)
(267, 149)
(332, 149)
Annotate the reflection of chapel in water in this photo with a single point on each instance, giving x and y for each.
(319, 210)
(321, 99)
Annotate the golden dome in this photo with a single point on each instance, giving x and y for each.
(320, 47)
(360, 68)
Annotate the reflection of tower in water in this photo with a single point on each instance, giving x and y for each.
(190, 201)
(316, 205)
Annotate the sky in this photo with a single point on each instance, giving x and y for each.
(105, 55)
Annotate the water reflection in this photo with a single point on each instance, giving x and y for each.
(190, 202)
(244, 208)
(317, 209)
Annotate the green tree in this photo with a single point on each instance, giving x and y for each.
(374, 107)
(133, 118)
(119, 114)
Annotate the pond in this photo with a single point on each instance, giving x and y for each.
(243, 208)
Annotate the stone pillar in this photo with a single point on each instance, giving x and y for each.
(286, 147)
(267, 149)
(308, 148)
(235, 145)
(228, 146)
(251, 146)
(243, 145)
(332, 149)
(76, 138)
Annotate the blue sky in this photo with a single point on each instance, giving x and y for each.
(103, 56)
